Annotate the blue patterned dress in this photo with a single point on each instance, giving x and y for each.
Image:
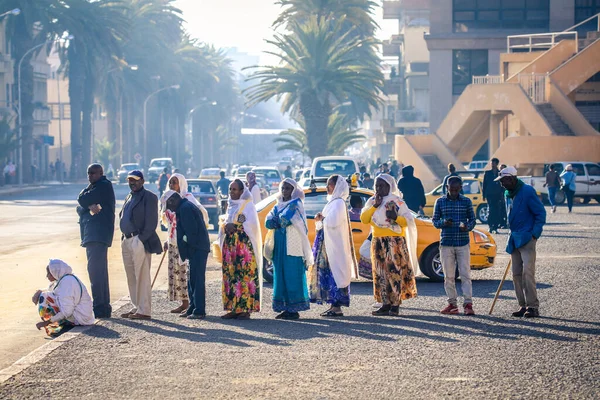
(290, 292)
(323, 288)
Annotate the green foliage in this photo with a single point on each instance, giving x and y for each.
(8, 138)
(104, 151)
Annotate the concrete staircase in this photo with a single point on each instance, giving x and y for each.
(590, 38)
(554, 120)
(436, 166)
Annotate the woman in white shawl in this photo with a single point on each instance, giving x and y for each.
(65, 303)
(178, 269)
(335, 261)
(292, 253)
(394, 246)
(240, 239)
(253, 186)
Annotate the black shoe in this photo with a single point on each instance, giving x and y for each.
(291, 315)
(532, 312)
(383, 310)
(394, 311)
(519, 313)
(282, 315)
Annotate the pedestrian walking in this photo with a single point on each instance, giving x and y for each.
(451, 172)
(291, 252)
(163, 180)
(253, 186)
(178, 269)
(241, 244)
(223, 184)
(493, 193)
(569, 185)
(138, 221)
(368, 182)
(453, 214)
(194, 246)
(96, 211)
(335, 263)
(393, 247)
(383, 169)
(395, 169)
(65, 303)
(412, 190)
(552, 183)
(526, 218)
(288, 172)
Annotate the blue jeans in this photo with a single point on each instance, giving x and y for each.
(552, 195)
(570, 194)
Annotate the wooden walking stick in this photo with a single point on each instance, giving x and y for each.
(158, 270)
(500, 286)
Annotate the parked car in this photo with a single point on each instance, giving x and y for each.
(240, 172)
(301, 174)
(323, 167)
(125, 169)
(157, 166)
(483, 246)
(587, 187)
(270, 175)
(472, 188)
(205, 191)
(211, 174)
(477, 165)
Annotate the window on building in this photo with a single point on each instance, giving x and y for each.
(465, 65)
(585, 9)
(469, 15)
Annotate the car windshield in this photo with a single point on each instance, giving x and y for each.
(129, 167)
(243, 170)
(196, 187)
(209, 172)
(267, 173)
(159, 163)
(340, 167)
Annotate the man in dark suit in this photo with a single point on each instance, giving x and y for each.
(138, 221)
(493, 193)
(412, 189)
(96, 211)
(194, 245)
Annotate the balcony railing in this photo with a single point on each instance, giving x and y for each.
(41, 115)
(488, 79)
(537, 41)
(535, 86)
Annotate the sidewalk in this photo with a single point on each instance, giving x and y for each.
(8, 190)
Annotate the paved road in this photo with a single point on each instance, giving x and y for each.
(35, 226)
(420, 355)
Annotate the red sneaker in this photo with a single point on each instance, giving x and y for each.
(469, 309)
(450, 309)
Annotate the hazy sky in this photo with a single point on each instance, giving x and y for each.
(242, 23)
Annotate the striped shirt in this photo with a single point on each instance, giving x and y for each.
(459, 210)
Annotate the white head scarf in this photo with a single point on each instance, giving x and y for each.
(251, 226)
(59, 268)
(379, 218)
(337, 235)
(183, 192)
(299, 218)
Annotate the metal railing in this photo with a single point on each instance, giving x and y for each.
(584, 22)
(538, 41)
(488, 79)
(535, 86)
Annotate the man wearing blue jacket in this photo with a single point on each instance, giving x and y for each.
(526, 220)
(194, 245)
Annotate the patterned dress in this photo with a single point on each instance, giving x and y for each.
(322, 286)
(178, 269)
(241, 286)
(393, 278)
(48, 308)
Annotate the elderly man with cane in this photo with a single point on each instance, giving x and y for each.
(526, 218)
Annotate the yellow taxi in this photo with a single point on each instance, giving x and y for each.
(483, 246)
(472, 188)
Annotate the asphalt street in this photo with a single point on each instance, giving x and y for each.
(421, 354)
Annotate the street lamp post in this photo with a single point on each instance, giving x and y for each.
(20, 166)
(189, 120)
(145, 104)
(16, 11)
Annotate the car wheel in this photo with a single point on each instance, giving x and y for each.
(483, 213)
(431, 263)
(560, 197)
(267, 270)
(597, 198)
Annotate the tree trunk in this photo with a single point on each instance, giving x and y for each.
(87, 118)
(316, 118)
(113, 113)
(76, 82)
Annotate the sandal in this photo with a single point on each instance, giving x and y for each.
(383, 310)
(179, 309)
(229, 315)
(331, 313)
(243, 315)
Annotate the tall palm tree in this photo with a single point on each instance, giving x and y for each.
(317, 71)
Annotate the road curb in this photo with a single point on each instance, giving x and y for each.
(43, 351)
(18, 190)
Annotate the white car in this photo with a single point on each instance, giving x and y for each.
(324, 167)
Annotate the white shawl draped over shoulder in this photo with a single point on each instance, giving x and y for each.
(379, 218)
(298, 221)
(251, 225)
(338, 242)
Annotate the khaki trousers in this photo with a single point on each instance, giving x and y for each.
(451, 258)
(523, 269)
(137, 267)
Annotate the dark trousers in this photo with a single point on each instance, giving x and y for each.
(495, 205)
(570, 194)
(97, 257)
(197, 283)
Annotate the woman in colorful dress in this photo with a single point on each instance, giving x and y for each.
(335, 261)
(394, 246)
(292, 253)
(65, 303)
(178, 269)
(240, 239)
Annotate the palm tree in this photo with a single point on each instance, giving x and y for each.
(317, 71)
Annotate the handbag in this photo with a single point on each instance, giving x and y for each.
(269, 246)
(216, 245)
